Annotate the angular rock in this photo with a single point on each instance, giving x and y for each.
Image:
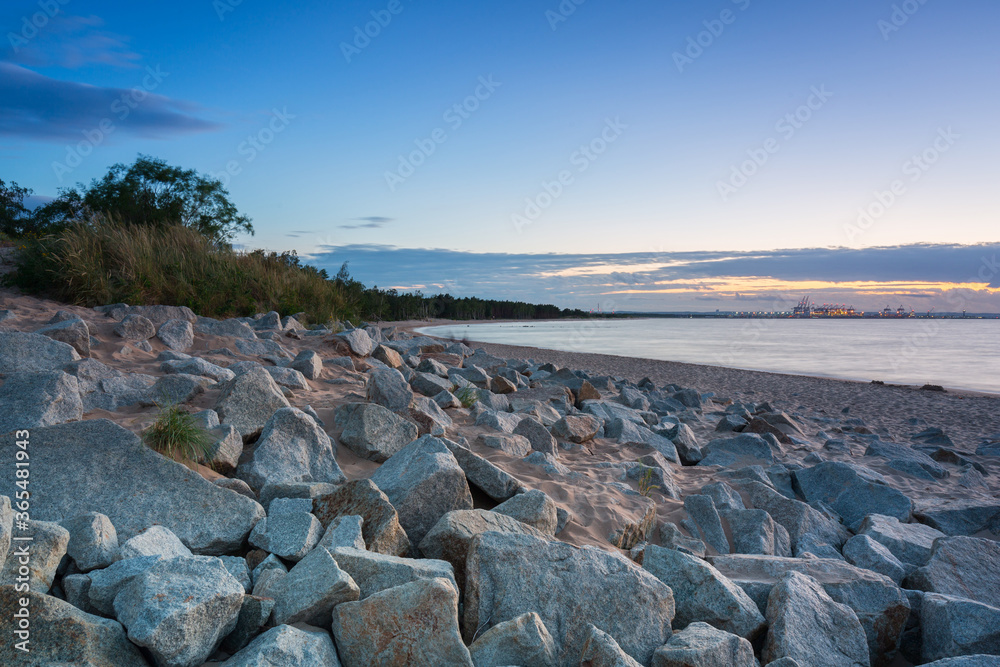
(33, 353)
(852, 491)
(312, 589)
(197, 366)
(154, 541)
(93, 541)
(236, 486)
(344, 531)
(703, 645)
(290, 535)
(702, 511)
(180, 609)
(376, 572)
(755, 532)
(803, 523)
(626, 432)
(309, 363)
(413, 624)
(359, 342)
(248, 401)
(374, 432)
(381, 529)
(253, 616)
(911, 543)
(31, 400)
(866, 553)
(672, 538)
(61, 634)
(72, 332)
(577, 428)
(223, 454)
(423, 481)
(292, 448)
(134, 486)
(702, 593)
(570, 589)
(534, 508)
(176, 334)
(743, 449)
(516, 446)
(686, 443)
(522, 641)
(809, 627)
(878, 603)
(451, 537)
(388, 388)
(953, 627)
(289, 647)
(135, 328)
(107, 583)
(964, 516)
(43, 553)
(160, 314)
(237, 567)
(232, 328)
(480, 473)
(288, 377)
(429, 384)
(601, 650)
(966, 567)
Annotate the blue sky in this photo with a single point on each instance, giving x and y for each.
(513, 129)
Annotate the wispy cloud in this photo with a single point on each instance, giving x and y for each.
(38, 107)
(868, 277)
(68, 41)
(369, 222)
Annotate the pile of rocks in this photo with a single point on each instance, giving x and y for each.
(794, 545)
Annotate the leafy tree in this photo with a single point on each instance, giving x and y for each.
(151, 192)
(15, 218)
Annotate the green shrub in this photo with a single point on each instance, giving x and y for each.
(102, 262)
(176, 434)
(467, 396)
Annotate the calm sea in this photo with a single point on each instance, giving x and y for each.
(960, 354)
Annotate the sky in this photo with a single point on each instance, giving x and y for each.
(731, 154)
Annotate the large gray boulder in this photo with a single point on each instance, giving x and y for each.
(967, 661)
(33, 353)
(601, 650)
(755, 532)
(807, 625)
(702, 511)
(376, 572)
(866, 553)
(388, 388)
(287, 646)
(249, 400)
(702, 593)
(105, 584)
(577, 428)
(705, 646)
(570, 588)
(451, 537)
(359, 341)
(966, 567)
(105, 388)
(129, 483)
(312, 589)
(290, 535)
(93, 540)
(30, 400)
(423, 481)
(292, 448)
(180, 609)
(177, 335)
(429, 384)
(197, 366)
(415, 624)
(953, 627)
(134, 327)
(161, 314)
(911, 543)
(744, 449)
(534, 508)
(73, 332)
(852, 491)
(630, 433)
(961, 516)
(539, 437)
(374, 432)
(879, 604)
(43, 554)
(309, 363)
(61, 634)
(232, 328)
(380, 528)
(154, 541)
(483, 475)
(804, 524)
(520, 641)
